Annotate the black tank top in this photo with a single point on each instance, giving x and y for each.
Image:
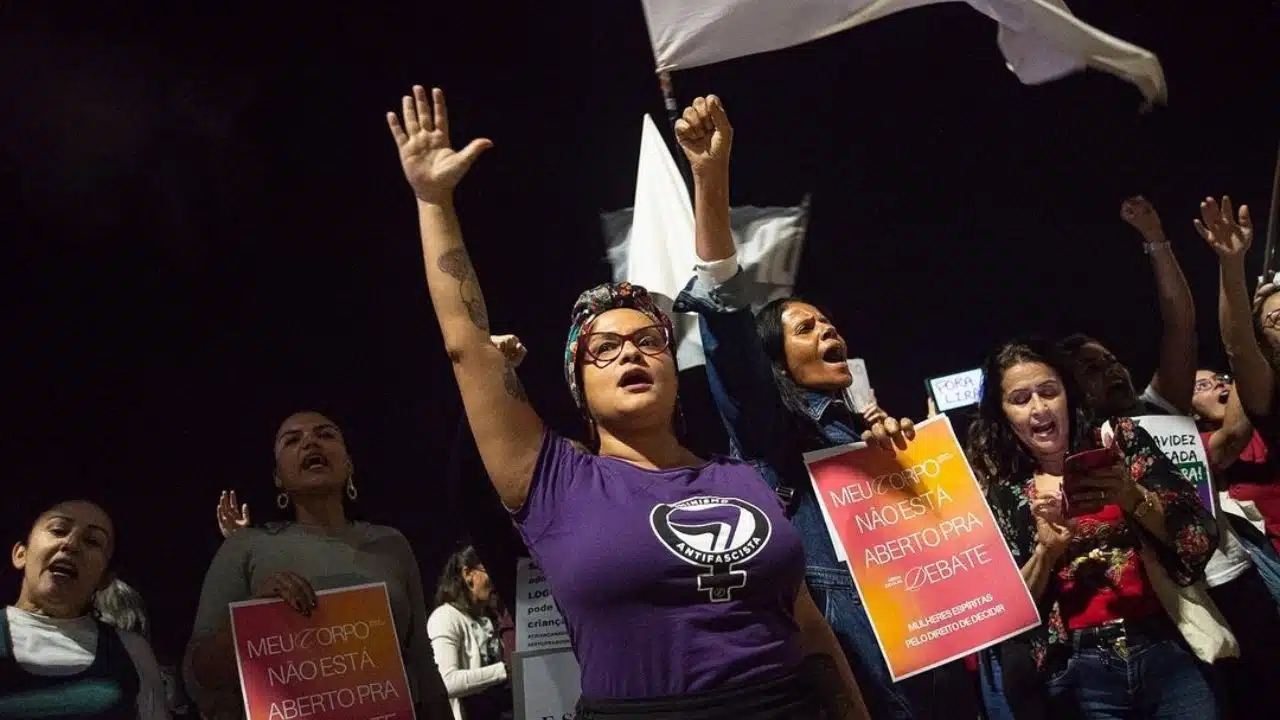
(106, 690)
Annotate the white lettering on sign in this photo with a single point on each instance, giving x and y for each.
(956, 391)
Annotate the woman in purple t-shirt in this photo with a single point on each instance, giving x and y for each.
(680, 579)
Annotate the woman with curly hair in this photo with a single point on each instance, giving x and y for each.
(1107, 647)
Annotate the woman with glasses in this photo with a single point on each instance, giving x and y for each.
(1228, 408)
(679, 577)
(1251, 336)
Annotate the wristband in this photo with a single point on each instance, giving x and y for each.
(1151, 247)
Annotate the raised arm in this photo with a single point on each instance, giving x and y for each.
(1176, 374)
(507, 430)
(738, 370)
(706, 136)
(1230, 239)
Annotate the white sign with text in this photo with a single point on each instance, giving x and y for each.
(539, 624)
(958, 390)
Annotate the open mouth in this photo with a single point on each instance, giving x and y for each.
(835, 353)
(1224, 396)
(636, 380)
(63, 569)
(1044, 429)
(314, 461)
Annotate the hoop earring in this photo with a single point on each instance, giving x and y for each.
(351, 486)
(282, 500)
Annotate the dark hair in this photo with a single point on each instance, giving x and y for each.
(122, 607)
(1072, 343)
(773, 339)
(453, 590)
(284, 517)
(995, 452)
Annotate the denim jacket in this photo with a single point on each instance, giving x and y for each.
(761, 429)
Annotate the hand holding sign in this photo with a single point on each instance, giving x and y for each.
(290, 587)
(889, 433)
(431, 165)
(705, 135)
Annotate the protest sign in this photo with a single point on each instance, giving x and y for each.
(1179, 439)
(539, 624)
(547, 685)
(935, 575)
(341, 663)
(957, 390)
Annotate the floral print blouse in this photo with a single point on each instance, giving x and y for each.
(1100, 552)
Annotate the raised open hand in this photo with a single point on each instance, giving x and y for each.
(705, 135)
(1142, 215)
(1219, 226)
(231, 517)
(430, 163)
(511, 348)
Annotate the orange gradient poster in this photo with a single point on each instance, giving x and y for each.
(341, 663)
(932, 567)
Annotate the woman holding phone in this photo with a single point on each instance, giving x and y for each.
(1077, 525)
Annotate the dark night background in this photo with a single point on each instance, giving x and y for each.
(205, 226)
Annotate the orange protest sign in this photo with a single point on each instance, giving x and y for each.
(341, 663)
(935, 575)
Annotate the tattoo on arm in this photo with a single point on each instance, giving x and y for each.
(823, 670)
(457, 264)
(511, 381)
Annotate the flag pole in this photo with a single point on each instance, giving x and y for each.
(1268, 253)
(673, 114)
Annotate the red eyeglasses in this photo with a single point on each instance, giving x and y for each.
(602, 348)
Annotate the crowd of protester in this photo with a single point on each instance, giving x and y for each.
(1152, 604)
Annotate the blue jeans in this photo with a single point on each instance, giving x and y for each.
(835, 596)
(1264, 558)
(991, 682)
(1155, 680)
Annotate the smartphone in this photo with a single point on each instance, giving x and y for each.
(1079, 465)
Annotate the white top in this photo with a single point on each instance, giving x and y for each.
(51, 647)
(1230, 560)
(467, 654)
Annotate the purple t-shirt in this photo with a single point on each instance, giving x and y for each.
(671, 581)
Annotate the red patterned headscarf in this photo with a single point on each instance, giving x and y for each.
(591, 305)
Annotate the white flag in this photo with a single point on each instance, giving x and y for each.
(652, 243)
(1041, 39)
